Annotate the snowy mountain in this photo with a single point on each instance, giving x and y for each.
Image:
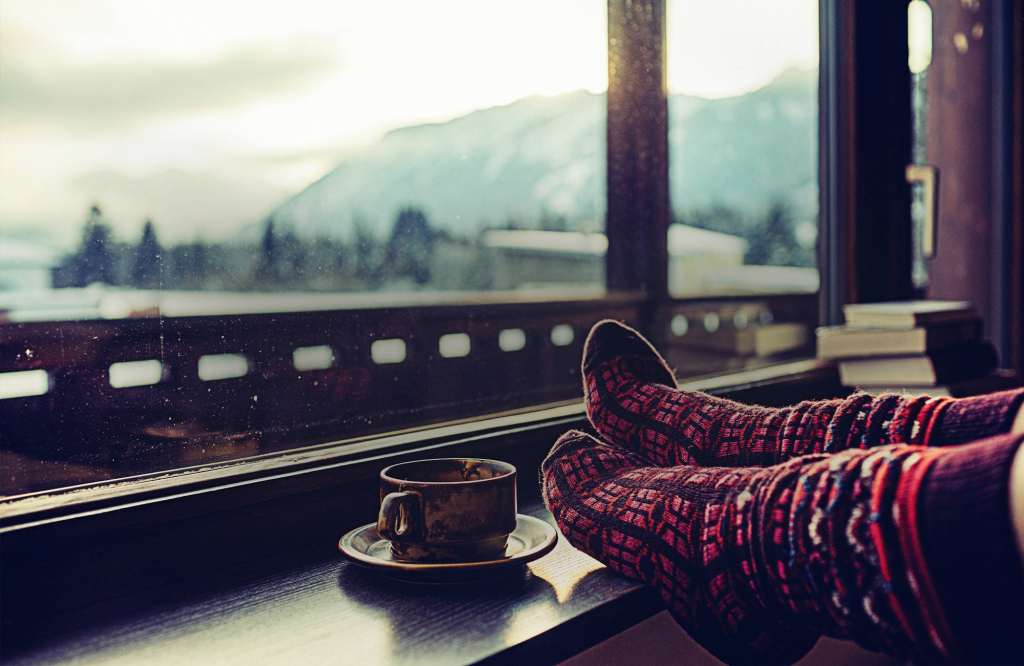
(544, 156)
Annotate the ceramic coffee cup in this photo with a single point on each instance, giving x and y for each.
(447, 509)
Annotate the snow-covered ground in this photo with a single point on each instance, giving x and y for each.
(102, 302)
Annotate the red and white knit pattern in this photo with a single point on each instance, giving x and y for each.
(632, 401)
(756, 563)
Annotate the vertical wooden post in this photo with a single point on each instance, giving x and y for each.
(1014, 80)
(960, 109)
(834, 182)
(637, 134)
(974, 137)
(865, 147)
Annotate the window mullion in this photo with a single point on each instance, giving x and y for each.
(637, 161)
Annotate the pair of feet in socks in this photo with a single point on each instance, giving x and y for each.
(763, 529)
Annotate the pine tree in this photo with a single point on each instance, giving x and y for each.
(187, 266)
(366, 251)
(197, 264)
(94, 261)
(268, 269)
(552, 222)
(294, 257)
(774, 243)
(410, 249)
(147, 269)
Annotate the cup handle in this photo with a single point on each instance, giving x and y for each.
(400, 515)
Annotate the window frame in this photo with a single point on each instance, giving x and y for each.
(77, 548)
(865, 131)
(636, 53)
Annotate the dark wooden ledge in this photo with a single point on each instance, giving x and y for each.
(328, 610)
(242, 561)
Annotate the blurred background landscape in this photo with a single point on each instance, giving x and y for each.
(505, 195)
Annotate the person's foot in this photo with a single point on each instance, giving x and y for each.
(903, 549)
(661, 526)
(625, 383)
(633, 401)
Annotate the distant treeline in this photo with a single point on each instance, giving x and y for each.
(413, 255)
(281, 260)
(771, 237)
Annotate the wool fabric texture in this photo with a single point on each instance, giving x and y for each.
(633, 401)
(881, 546)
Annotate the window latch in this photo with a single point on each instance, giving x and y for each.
(928, 176)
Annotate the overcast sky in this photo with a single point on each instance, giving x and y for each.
(204, 113)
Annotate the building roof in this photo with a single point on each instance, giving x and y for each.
(17, 253)
(561, 242)
(682, 240)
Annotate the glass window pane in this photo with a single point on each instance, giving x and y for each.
(743, 141)
(226, 229)
(743, 147)
(315, 147)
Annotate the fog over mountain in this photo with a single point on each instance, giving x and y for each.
(545, 156)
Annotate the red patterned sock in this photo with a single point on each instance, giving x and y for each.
(756, 563)
(633, 401)
(945, 421)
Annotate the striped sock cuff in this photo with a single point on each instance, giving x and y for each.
(968, 547)
(969, 419)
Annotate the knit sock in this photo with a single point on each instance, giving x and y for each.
(633, 401)
(897, 548)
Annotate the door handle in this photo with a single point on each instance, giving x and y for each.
(928, 176)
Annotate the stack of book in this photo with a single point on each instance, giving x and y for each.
(930, 346)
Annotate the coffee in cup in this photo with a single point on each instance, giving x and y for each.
(447, 509)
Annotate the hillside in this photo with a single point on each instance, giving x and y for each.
(544, 156)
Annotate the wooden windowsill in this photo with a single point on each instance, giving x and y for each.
(182, 565)
(331, 611)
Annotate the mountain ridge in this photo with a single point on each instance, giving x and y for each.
(543, 156)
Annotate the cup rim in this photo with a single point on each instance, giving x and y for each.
(508, 470)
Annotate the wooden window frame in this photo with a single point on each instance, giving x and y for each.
(639, 215)
(173, 522)
(639, 210)
(638, 218)
(864, 146)
(638, 223)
